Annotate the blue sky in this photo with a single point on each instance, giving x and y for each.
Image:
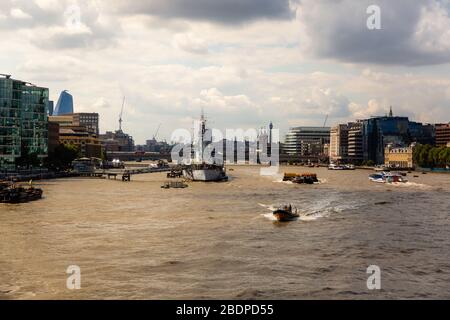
(246, 62)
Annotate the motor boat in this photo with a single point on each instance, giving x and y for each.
(286, 213)
(335, 167)
(387, 177)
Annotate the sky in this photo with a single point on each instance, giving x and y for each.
(245, 62)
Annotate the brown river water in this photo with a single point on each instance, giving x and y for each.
(217, 240)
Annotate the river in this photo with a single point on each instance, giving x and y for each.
(218, 241)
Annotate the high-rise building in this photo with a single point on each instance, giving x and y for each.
(378, 132)
(64, 105)
(346, 143)
(442, 134)
(23, 121)
(306, 143)
(339, 143)
(355, 143)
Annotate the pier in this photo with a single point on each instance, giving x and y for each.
(123, 174)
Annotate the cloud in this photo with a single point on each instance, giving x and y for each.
(215, 100)
(190, 43)
(413, 32)
(17, 13)
(61, 24)
(228, 12)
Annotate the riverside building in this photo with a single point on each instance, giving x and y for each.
(23, 121)
(307, 143)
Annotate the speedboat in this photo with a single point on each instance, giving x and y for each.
(387, 177)
(286, 213)
(378, 177)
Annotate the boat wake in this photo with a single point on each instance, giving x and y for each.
(411, 185)
(315, 211)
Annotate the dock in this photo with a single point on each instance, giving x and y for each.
(123, 174)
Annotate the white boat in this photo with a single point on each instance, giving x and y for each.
(335, 167)
(387, 177)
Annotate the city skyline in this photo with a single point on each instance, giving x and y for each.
(271, 62)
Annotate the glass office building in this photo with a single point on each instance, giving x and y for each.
(23, 121)
(379, 132)
(64, 104)
(305, 142)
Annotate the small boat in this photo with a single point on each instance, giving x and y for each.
(286, 213)
(174, 185)
(304, 178)
(387, 177)
(17, 194)
(335, 167)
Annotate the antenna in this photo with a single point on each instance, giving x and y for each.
(121, 114)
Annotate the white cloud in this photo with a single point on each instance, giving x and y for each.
(190, 43)
(17, 13)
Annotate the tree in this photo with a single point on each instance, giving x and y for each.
(426, 156)
(62, 157)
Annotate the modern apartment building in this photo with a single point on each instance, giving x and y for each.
(23, 122)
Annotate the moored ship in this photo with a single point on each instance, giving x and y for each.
(17, 194)
(199, 169)
(205, 172)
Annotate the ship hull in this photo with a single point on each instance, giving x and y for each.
(207, 174)
(285, 216)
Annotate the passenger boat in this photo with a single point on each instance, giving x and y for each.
(17, 194)
(387, 177)
(286, 213)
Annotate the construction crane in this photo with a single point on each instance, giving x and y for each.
(157, 131)
(121, 114)
(325, 122)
